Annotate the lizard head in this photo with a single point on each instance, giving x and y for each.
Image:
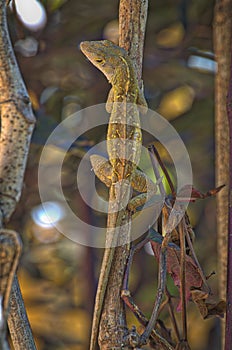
(105, 55)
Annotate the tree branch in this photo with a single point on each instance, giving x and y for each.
(17, 123)
(228, 335)
(132, 22)
(132, 25)
(222, 34)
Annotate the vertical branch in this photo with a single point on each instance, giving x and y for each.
(132, 25)
(17, 123)
(228, 335)
(222, 34)
(132, 22)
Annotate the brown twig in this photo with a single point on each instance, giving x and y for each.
(190, 245)
(172, 314)
(157, 338)
(183, 280)
(160, 292)
(126, 296)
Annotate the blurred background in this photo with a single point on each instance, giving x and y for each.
(58, 277)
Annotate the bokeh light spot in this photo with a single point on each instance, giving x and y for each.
(31, 13)
(47, 214)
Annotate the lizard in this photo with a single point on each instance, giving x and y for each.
(124, 141)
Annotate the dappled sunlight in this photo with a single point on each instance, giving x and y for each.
(171, 36)
(177, 102)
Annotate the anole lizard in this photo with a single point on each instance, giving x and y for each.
(124, 140)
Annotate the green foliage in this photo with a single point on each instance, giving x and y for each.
(53, 5)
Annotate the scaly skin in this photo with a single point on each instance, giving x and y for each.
(124, 139)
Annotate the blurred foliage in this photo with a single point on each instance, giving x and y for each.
(57, 276)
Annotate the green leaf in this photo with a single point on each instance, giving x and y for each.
(53, 5)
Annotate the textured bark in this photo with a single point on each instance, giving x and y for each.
(113, 328)
(222, 39)
(228, 335)
(17, 123)
(132, 25)
(18, 323)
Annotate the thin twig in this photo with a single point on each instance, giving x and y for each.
(126, 296)
(134, 249)
(160, 290)
(169, 180)
(183, 280)
(194, 256)
(172, 314)
(152, 155)
(143, 320)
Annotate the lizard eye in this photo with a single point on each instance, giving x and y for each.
(99, 60)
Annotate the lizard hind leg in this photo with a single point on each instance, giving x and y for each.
(141, 183)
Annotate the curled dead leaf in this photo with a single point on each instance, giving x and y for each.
(192, 278)
(208, 308)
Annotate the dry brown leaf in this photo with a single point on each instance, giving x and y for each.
(193, 277)
(208, 309)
